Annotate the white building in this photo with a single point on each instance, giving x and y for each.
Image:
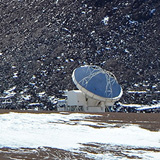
(78, 101)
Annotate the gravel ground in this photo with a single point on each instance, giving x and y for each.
(42, 42)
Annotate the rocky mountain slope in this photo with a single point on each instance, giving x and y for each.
(42, 42)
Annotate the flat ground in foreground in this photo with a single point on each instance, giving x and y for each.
(148, 123)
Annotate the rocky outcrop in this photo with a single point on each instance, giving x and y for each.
(43, 41)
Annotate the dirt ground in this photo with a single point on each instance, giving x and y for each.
(149, 121)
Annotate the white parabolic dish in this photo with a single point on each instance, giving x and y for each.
(97, 83)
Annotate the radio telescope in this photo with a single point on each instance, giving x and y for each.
(97, 83)
(98, 89)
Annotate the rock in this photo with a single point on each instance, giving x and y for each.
(48, 39)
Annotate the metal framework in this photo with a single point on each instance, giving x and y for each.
(110, 78)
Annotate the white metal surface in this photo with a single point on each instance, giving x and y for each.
(75, 98)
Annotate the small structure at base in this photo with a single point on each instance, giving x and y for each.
(98, 89)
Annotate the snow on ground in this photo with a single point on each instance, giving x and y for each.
(72, 131)
(140, 107)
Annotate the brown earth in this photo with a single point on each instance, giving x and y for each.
(149, 121)
(42, 153)
(39, 154)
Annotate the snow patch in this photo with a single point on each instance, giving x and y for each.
(55, 130)
(105, 20)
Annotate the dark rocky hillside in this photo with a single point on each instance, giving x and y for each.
(42, 41)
